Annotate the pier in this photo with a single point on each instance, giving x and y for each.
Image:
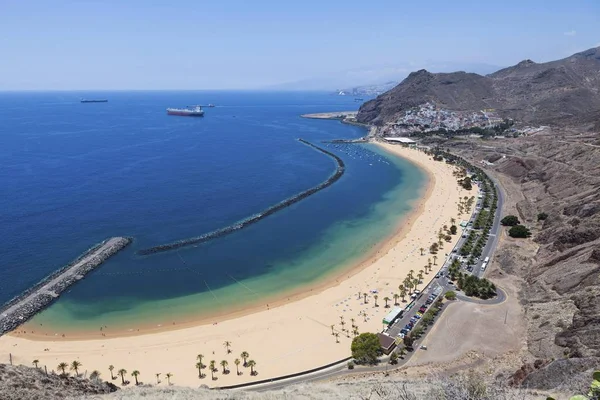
(256, 217)
(39, 296)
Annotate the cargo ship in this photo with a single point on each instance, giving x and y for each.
(94, 101)
(195, 111)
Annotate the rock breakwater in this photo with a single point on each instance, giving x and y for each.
(340, 169)
(39, 296)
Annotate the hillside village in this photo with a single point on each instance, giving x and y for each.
(429, 117)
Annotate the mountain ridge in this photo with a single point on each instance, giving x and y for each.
(556, 92)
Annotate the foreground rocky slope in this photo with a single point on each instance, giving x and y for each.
(24, 383)
(557, 92)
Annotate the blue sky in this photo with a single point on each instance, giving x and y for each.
(231, 44)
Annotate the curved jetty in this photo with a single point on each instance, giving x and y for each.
(257, 217)
(34, 299)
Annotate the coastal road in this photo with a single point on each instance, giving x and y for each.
(495, 232)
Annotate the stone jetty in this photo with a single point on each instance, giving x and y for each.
(39, 296)
(339, 171)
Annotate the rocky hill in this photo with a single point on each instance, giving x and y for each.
(24, 383)
(557, 173)
(558, 92)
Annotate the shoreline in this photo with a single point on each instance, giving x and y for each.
(292, 335)
(329, 280)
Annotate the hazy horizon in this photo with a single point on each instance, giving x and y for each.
(265, 45)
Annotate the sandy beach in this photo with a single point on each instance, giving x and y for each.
(289, 335)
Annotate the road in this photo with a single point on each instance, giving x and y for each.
(495, 232)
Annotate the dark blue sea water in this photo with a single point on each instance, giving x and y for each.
(74, 174)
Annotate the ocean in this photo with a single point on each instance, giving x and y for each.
(75, 174)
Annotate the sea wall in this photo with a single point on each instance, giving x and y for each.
(340, 169)
(27, 304)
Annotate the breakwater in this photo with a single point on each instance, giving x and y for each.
(256, 217)
(27, 304)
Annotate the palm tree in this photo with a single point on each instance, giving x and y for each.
(95, 375)
(157, 378)
(252, 364)
(135, 374)
(396, 296)
(420, 275)
(237, 365)
(224, 364)
(402, 293)
(452, 221)
(411, 273)
(342, 323)
(421, 250)
(429, 262)
(62, 366)
(169, 375)
(359, 295)
(35, 362)
(353, 321)
(122, 372)
(75, 366)
(244, 356)
(365, 315)
(365, 296)
(434, 259)
(199, 357)
(227, 345)
(402, 352)
(386, 299)
(111, 368)
(199, 365)
(376, 297)
(407, 284)
(332, 333)
(212, 369)
(356, 331)
(337, 337)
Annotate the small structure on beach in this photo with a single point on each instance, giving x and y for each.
(386, 342)
(402, 140)
(392, 315)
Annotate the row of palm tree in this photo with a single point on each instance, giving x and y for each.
(75, 365)
(135, 373)
(224, 364)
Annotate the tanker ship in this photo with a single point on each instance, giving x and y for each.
(195, 111)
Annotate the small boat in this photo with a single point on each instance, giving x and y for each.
(195, 111)
(211, 105)
(94, 101)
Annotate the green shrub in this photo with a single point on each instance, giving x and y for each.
(365, 348)
(450, 295)
(519, 231)
(510, 220)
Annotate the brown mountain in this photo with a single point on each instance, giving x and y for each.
(562, 91)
